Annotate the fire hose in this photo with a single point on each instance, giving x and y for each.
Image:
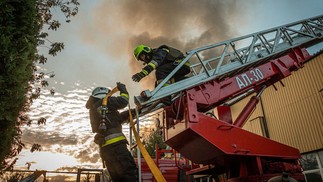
(151, 164)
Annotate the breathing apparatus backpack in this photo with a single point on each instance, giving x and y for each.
(96, 109)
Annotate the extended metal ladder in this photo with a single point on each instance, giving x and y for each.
(226, 59)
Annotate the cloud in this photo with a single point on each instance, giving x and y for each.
(46, 139)
(122, 25)
(89, 154)
(67, 129)
(59, 178)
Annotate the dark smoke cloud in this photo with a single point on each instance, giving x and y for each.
(182, 24)
(167, 22)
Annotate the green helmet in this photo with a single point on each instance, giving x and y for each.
(141, 49)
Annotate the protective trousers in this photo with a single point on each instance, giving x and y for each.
(164, 70)
(119, 162)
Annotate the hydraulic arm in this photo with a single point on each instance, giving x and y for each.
(186, 121)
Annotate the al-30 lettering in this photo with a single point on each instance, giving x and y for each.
(244, 80)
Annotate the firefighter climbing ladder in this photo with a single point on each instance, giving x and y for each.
(226, 58)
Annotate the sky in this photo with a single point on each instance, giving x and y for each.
(99, 44)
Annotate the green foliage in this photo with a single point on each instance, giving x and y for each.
(18, 42)
(21, 26)
(155, 137)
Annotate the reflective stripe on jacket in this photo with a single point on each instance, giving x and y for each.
(113, 138)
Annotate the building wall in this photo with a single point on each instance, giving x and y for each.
(293, 113)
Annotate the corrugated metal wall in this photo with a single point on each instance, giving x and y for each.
(294, 113)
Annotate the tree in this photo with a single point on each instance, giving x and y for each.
(155, 137)
(22, 31)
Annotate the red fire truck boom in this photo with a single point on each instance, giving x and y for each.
(222, 144)
(222, 73)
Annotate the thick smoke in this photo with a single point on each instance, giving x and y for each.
(184, 25)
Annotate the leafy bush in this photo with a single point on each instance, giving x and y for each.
(21, 26)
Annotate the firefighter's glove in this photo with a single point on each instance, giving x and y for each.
(99, 139)
(138, 76)
(122, 87)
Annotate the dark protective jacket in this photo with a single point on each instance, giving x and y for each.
(113, 147)
(113, 117)
(161, 56)
(165, 54)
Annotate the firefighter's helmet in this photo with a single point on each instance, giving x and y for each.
(100, 92)
(142, 49)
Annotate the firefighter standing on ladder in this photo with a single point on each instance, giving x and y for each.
(164, 60)
(112, 142)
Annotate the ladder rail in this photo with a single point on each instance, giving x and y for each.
(216, 71)
(203, 64)
(260, 46)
